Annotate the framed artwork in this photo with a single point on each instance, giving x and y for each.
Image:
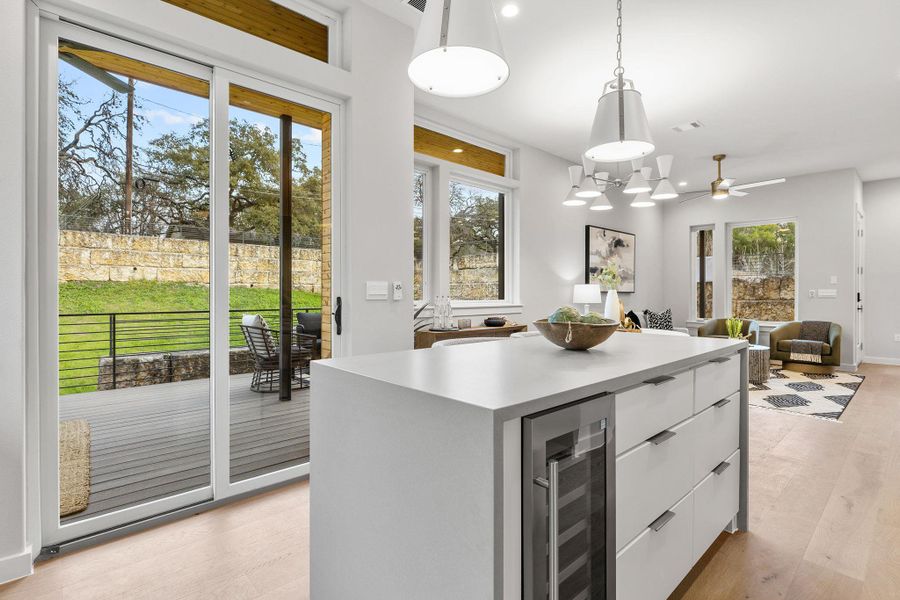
(604, 246)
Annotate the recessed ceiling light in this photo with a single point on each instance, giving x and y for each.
(509, 10)
(682, 183)
(457, 151)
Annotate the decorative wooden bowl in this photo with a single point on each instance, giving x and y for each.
(583, 335)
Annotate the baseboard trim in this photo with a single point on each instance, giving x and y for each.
(881, 360)
(16, 566)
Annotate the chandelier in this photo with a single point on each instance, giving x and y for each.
(620, 133)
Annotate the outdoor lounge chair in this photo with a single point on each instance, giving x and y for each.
(263, 345)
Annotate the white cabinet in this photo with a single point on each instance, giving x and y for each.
(647, 409)
(686, 478)
(715, 503)
(651, 477)
(716, 435)
(651, 566)
(716, 380)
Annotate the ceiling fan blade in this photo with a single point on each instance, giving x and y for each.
(747, 186)
(726, 183)
(737, 193)
(697, 197)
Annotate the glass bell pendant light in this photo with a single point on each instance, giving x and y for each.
(620, 131)
(458, 52)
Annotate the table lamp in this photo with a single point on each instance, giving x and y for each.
(587, 294)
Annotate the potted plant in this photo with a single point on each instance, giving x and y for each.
(734, 326)
(609, 277)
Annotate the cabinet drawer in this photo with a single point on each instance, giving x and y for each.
(716, 435)
(716, 380)
(646, 410)
(651, 566)
(652, 477)
(715, 503)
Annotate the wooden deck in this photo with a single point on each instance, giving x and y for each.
(154, 441)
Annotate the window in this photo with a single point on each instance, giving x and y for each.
(702, 272)
(418, 236)
(763, 271)
(476, 242)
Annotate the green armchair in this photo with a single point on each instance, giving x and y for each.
(780, 344)
(717, 328)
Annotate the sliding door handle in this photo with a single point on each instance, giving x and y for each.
(338, 307)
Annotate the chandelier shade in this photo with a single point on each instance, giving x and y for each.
(601, 202)
(638, 182)
(664, 191)
(458, 52)
(621, 131)
(642, 201)
(573, 200)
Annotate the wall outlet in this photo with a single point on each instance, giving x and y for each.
(897, 337)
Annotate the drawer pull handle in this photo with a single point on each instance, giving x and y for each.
(662, 521)
(721, 359)
(661, 437)
(660, 380)
(722, 402)
(722, 466)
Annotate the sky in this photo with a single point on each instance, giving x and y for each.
(171, 111)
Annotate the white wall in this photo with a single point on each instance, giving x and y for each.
(881, 200)
(15, 554)
(823, 205)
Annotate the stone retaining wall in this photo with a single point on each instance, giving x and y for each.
(90, 256)
(472, 277)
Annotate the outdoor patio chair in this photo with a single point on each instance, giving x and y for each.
(263, 345)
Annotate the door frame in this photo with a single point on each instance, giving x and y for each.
(45, 249)
(859, 274)
(219, 241)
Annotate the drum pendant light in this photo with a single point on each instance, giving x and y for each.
(621, 131)
(458, 52)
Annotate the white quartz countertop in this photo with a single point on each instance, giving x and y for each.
(516, 377)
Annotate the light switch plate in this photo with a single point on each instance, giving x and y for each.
(827, 293)
(897, 337)
(376, 290)
(834, 280)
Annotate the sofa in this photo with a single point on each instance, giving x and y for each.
(718, 329)
(780, 345)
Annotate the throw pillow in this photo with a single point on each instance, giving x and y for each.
(662, 320)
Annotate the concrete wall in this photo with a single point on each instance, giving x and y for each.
(823, 205)
(90, 256)
(881, 298)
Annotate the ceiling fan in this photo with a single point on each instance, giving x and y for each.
(723, 187)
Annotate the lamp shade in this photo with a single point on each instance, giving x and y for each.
(637, 184)
(458, 52)
(611, 143)
(642, 201)
(601, 202)
(573, 200)
(588, 188)
(664, 191)
(587, 293)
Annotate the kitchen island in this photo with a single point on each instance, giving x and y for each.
(417, 477)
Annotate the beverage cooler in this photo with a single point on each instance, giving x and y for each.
(568, 502)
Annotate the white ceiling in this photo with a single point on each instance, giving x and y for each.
(784, 87)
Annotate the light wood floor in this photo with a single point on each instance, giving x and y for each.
(825, 519)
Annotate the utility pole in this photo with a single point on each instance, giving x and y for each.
(129, 149)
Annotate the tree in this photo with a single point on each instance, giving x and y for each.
(474, 221)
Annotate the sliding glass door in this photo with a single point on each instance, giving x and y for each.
(186, 280)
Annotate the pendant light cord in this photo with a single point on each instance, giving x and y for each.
(619, 71)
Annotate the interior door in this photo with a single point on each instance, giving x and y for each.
(124, 271)
(860, 285)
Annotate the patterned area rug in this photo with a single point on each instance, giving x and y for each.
(825, 396)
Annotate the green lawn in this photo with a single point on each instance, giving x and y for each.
(85, 339)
